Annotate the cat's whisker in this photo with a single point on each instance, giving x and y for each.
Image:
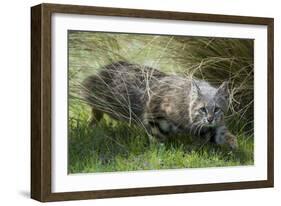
(192, 127)
(196, 128)
(199, 132)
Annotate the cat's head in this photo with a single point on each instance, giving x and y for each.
(208, 105)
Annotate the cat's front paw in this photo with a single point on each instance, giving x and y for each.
(224, 137)
(231, 140)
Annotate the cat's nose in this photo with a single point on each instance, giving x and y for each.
(210, 119)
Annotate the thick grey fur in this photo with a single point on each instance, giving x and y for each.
(163, 104)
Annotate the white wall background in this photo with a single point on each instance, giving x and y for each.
(15, 102)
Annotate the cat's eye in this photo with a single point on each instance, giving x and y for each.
(203, 109)
(217, 109)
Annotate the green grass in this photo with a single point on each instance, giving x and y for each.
(117, 146)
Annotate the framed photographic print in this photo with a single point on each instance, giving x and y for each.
(130, 102)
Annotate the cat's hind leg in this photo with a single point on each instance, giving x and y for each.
(96, 116)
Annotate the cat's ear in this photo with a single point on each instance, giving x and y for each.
(195, 90)
(223, 91)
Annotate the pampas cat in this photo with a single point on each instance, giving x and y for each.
(163, 104)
